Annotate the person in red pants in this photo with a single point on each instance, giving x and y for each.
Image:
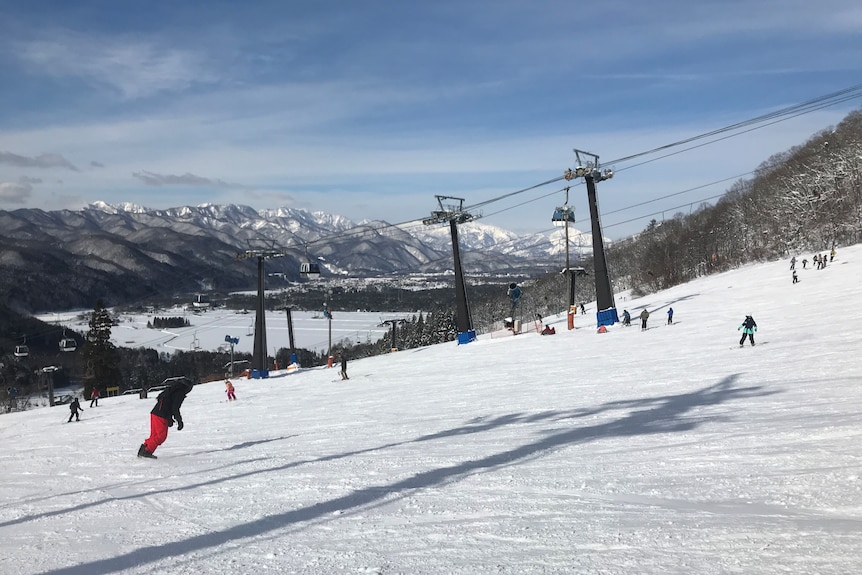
(163, 415)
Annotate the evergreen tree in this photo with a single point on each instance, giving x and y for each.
(100, 354)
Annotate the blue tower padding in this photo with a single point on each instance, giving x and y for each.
(607, 317)
(259, 373)
(466, 336)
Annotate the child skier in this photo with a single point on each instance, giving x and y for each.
(231, 395)
(75, 407)
(748, 327)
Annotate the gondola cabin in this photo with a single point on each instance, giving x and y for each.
(68, 344)
(309, 270)
(21, 351)
(201, 301)
(563, 214)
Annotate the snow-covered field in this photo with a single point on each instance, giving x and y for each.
(663, 451)
(208, 329)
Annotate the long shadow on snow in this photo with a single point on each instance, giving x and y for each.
(657, 415)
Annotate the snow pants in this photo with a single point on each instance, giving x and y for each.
(749, 335)
(158, 432)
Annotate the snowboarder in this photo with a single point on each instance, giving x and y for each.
(793, 263)
(832, 254)
(804, 263)
(795, 277)
(163, 415)
(627, 317)
(549, 330)
(75, 407)
(583, 309)
(670, 314)
(344, 366)
(229, 390)
(644, 318)
(94, 397)
(748, 327)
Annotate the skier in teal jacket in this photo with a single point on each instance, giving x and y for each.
(748, 327)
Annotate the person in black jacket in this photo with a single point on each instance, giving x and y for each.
(748, 327)
(163, 415)
(75, 407)
(344, 366)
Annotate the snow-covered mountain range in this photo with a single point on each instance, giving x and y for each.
(129, 250)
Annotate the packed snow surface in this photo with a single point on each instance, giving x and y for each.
(670, 450)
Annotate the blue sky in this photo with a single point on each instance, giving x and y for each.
(370, 109)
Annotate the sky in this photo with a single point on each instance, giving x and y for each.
(665, 451)
(370, 110)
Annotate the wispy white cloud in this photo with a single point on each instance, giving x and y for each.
(15, 192)
(187, 179)
(40, 161)
(135, 68)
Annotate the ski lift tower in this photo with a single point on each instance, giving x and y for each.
(259, 366)
(455, 214)
(590, 172)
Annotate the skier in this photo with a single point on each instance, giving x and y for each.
(793, 263)
(669, 315)
(748, 327)
(94, 397)
(627, 317)
(514, 293)
(75, 407)
(162, 416)
(344, 366)
(644, 318)
(229, 390)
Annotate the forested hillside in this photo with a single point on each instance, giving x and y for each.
(805, 200)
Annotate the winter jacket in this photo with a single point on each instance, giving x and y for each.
(169, 401)
(748, 326)
(644, 314)
(75, 406)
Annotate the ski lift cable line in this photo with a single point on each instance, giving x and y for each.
(800, 109)
(813, 105)
(663, 211)
(790, 112)
(723, 138)
(510, 194)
